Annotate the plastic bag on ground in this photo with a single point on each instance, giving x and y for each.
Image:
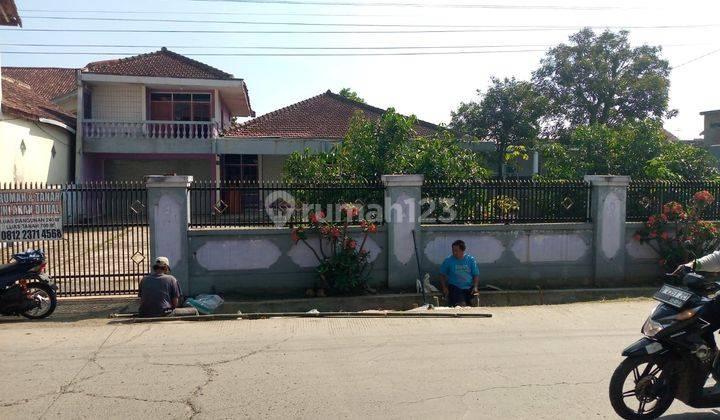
(205, 304)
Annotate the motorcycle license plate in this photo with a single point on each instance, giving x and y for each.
(673, 296)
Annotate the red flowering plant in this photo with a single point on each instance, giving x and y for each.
(344, 265)
(678, 234)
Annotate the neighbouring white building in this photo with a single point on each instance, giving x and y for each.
(37, 138)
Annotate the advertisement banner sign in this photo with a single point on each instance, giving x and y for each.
(30, 215)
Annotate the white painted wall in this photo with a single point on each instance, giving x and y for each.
(118, 102)
(37, 163)
(526, 247)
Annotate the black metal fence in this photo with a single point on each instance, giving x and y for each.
(645, 198)
(236, 204)
(105, 244)
(506, 201)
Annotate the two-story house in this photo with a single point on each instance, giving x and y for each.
(162, 112)
(153, 113)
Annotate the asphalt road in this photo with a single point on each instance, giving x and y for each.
(540, 362)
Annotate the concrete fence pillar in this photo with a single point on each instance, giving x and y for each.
(608, 213)
(402, 216)
(169, 215)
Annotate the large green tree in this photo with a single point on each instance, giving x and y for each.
(508, 113)
(386, 146)
(601, 79)
(639, 149)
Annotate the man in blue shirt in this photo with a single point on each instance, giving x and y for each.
(461, 272)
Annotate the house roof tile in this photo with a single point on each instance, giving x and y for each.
(325, 116)
(48, 82)
(8, 14)
(21, 100)
(162, 63)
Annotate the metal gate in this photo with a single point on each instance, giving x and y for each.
(105, 245)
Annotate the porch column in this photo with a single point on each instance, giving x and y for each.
(608, 213)
(169, 215)
(80, 116)
(402, 216)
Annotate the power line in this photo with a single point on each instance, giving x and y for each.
(275, 47)
(245, 22)
(125, 54)
(221, 31)
(170, 12)
(271, 47)
(423, 5)
(697, 58)
(382, 25)
(379, 31)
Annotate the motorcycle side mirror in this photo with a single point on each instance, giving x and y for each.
(684, 270)
(694, 280)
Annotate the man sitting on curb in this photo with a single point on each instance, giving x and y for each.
(461, 271)
(159, 292)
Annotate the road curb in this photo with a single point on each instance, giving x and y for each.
(100, 307)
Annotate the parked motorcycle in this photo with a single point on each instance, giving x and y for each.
(25, 288)
(674, 359)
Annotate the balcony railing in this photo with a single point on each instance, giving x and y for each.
(102, 129)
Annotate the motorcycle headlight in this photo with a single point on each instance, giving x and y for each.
(650, 328)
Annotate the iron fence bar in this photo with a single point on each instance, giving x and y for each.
(101, 234)
(646, 197)
(512, 201)
(243, 203)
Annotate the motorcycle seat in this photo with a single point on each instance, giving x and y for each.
(8, 268)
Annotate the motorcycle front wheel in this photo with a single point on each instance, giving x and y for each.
(640, 388)
(46, 298)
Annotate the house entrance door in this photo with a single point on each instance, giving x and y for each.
(241, 173)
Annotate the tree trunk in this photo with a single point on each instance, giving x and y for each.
(501, 162)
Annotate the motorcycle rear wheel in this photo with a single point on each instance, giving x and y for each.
(650, 390)
(48, 299)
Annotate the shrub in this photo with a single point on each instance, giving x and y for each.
(344, 265)
(679, 234)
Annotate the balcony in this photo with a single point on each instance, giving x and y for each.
(190, 130)
(155, 137)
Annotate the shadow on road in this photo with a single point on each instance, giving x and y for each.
(693, 416)
(79, 310)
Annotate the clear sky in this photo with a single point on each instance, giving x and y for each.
(429, 86)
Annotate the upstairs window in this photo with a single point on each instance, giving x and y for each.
(167, 106)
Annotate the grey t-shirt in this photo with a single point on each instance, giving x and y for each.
(156, 294)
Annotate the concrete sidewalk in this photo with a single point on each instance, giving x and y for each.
(78, 308)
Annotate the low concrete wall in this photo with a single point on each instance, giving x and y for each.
(258, 262)
(641, 264)
(264, 261)
(518, 256)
